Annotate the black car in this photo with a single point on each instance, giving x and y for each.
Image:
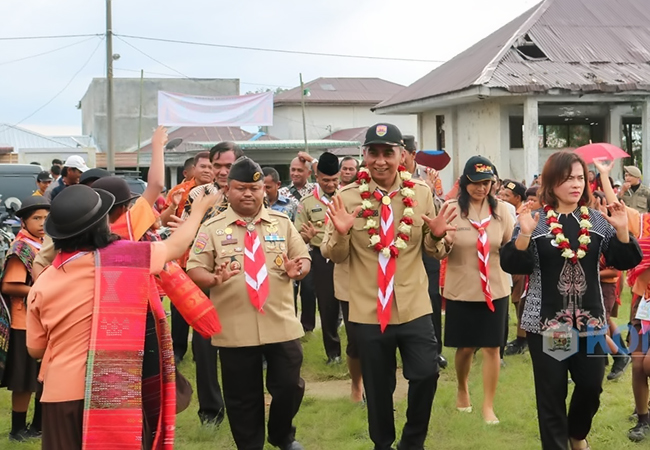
(18, 180)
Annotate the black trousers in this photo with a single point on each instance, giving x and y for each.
(243, 384)
(432, 267)
(307, 301)
(180, 331)
(555, 426)
(329, 307)
(208, 390)
(418, 347)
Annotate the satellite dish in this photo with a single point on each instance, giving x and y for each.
(12, 203)
(171, 145)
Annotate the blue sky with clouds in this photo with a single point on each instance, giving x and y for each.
(418, 29)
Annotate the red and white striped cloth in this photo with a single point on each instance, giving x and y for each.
(257, 277)
(483, 247)
(387, 265)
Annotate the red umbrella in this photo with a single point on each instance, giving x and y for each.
(603, 150)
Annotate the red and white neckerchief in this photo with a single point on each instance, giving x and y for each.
(257, 277)
(387, 263)
(324, 200)
(483, 247)
(63, 258)
(27, 238)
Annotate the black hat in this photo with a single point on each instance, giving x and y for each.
(118, 187)
(32, 204)
(44, 176)
(328, 164)
(516, 187)
(76, 209)
(409, 142)
(478, 169)
(245, 170)
(383, 133)
(92, 175)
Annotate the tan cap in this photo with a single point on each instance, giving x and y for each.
(634, 171)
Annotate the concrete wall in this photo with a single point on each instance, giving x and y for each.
(324, 120)
(126, 92)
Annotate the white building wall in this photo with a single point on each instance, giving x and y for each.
(324, 120)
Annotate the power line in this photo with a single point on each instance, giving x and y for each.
(61, 91)
(294, 52)
(151, 57)
(63, 36)
(47, 52)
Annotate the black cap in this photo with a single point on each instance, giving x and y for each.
(516, 187)
(478, 168)
(118, 187)
(328, 164)
(44, 176)
(76, 209)
(245, 170)
(409, 142)
(92, 175)
(32, 204)
(383, 133)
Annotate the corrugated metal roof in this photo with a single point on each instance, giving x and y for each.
(16, 137)
(206, 134)
(341, 91)
(583, 45)
(356, 135)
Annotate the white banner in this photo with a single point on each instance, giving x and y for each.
(193, 110)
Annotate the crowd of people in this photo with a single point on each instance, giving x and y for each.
(250, 263)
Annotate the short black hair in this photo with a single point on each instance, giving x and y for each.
(95, 238)
(349, 158)
(57, 161)
(55, 170)
(275, 176)
(201, 155)
(226, 146)
(189, 163)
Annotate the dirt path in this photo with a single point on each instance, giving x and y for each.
(341, 388)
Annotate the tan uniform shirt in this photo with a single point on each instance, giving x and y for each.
(463, 280)
(341, 273)
(639, 199)
(221, 240)
(411, 298)
(312, 210)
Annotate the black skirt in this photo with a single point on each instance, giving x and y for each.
(21, 373)
(63, 425)
(472, 324)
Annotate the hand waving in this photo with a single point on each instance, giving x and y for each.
(159, 139)
(177, 196)
(603, 166)
(308, 231)
(293, 267)
(617, 216)
(341, 219)
(440, 224)
(527, 221)
(222, 273)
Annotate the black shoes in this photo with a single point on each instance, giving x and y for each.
(20, 436)
(332, 360)
(621, 361)
(208, 419)
(516, 347)
(639, 432)
(442, 362)
(294, 445)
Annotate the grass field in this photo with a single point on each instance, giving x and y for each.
(328, 421)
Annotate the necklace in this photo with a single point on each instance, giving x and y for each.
(387, 249)
(561, 240)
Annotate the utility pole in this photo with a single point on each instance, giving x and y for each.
(110, 150)
(302, 102)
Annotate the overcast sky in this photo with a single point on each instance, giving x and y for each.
(418, 29)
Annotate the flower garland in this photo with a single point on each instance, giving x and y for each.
(561, 240)
(372, 225)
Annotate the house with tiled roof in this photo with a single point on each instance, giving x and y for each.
(332, 105)
(562, 74)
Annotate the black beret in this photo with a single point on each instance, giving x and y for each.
(516, 187)
(409, 142)
(328, 164)
(245, 170)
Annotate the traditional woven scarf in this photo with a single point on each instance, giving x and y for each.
(113, 405)
(195, 307)
(257, 277)
(387, 264)
(483, 247)
(324, 200)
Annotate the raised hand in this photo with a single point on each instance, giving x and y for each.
(177, 196)
(603, 166)
(222, 273)
(174, 223)
(202, 203)
(159, 139)
(341, 219)
(308, 231)
(440, 224)
(617, 216)
(293, 267)
(527, 221)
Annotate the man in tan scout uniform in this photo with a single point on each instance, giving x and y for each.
(383, 216)
(247, 257)
(311, 220)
